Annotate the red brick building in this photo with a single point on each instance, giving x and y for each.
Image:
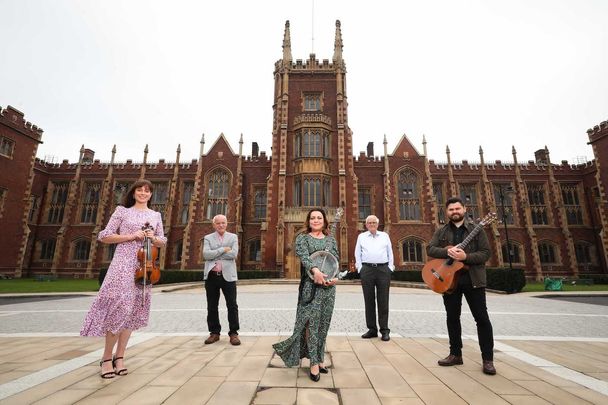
(556, 214)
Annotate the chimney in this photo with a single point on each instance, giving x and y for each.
(370, 149)
(88, 156)
(540, 156)
(255, 149)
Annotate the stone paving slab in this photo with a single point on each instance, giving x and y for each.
(182, 370)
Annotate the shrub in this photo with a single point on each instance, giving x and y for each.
(505, 279)
(186, 276)
(407, 275)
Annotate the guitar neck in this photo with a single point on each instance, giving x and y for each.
(470, 236)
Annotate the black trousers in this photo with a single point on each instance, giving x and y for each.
(376, 283)
(213, 285)
(476, 298)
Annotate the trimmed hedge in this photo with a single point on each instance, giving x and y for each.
(502, 279)
(186, 276)
(407, 275)
(505, 279)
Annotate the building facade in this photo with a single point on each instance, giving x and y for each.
(555, 214)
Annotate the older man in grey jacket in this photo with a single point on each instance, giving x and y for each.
(220, 250)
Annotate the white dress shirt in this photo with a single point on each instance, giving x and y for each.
(372, 248)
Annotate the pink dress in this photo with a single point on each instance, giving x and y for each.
(119, 304)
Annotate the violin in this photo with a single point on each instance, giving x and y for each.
(148, 271)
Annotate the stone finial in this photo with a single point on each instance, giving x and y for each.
(447, 149)
(179, 148)
(480, 150)
(202, 148)
(113, 154)
(287, 46)
(338, 45)
(384, 141)
(423, 139)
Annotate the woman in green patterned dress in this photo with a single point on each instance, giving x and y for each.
(315, 301)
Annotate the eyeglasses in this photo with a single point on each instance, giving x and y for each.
(371, 223)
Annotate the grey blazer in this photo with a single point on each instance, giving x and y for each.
(213, 251)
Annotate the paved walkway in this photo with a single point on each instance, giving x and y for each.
(47, 364)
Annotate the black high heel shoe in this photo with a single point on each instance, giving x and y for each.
(109, 374)
(314, 377)
(122, 371)
(323, 370)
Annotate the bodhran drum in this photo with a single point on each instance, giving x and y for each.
(326, 263)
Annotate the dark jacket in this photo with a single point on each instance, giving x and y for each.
(478, 250)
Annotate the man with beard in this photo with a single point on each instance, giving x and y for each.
(471, 283)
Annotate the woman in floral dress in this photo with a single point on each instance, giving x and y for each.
(119, 307)
(315, 301)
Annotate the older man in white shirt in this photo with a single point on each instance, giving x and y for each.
(374, 262)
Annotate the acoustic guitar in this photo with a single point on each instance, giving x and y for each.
(441, 275)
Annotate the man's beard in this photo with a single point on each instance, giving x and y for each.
(456, 217)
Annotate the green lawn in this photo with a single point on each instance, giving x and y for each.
(30, 285)
(538, 287)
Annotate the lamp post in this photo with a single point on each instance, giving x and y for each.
(508, 189)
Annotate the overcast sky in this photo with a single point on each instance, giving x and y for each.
(527, 73)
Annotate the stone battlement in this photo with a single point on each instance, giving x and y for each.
(15, 119)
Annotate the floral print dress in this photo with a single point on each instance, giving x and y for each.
(119, 304)
(314, 311)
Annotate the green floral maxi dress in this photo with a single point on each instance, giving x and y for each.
(315, 308)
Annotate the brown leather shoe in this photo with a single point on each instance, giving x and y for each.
(488, 367)
(451, 360)
(234, 340)
(214, 337)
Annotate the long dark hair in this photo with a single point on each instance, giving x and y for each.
(325, 221)
(129, 199)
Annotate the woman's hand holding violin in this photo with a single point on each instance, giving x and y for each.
(138, 235)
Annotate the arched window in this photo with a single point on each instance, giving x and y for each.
(547, 252)
(81, 250)
(311, 143)
(585, 254)
(254, 250)
(412, 250)
(409, 195)
(47, 249)
(177, 251)
(218, 188)
(514, 250)
(259, 203)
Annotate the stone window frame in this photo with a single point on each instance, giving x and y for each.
(42, 247)
(75, 249)
(316, 96)
(592, 253)
(86, 186)
(370, 189)
(3, 194)
(7, 147)
(184, 207)
(520, 252)
(474, 208)
(512, 195)
(55, 206)
(577, 188)
(209, 211)
(255, 188)
(415, 239)
(419, 190)
(542, 186)
(177, 247)
(555, 251)
(248, 246)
